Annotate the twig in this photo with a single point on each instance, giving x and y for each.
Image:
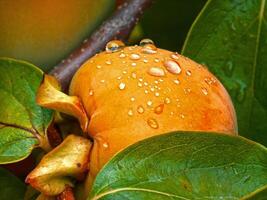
(118, 26)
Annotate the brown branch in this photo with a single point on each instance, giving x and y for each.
(118, 26)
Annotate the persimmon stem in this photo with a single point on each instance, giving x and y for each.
(118, 26)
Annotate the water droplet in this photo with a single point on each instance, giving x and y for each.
(233, 27)
(119, 77)
(174, 56)
(210, 80)
(149, 49)
(105, 145)
(108, 62)
(167, 100)
(140, 84)
(114, 45)
(102, 81)
(152, 123)
(145, 41)
(124, 72)
(145, 61)
(134, 56)
(188, 73)
(157, 94)
(176, 81)
(140, 79)
(146, 91)
(133, 64)
(228, 68)
(182, 116)
(122, 55)
(132, 99)
(122, 86)
(149, 103)
(134, 75)
(187, 90)
(156, 60)
(98, 66)
(91, 92)
(130, 112)
(241, 92)
(155, 71)
(140, 109)
(204, 91)
(172, 67)
(159, 109)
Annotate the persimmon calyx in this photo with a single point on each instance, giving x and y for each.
(50, 96)
(57, 168)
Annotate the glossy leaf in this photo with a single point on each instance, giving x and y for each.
(23, 123)
(230, 38)
(11, 186)
(184, 165)
(260, 194)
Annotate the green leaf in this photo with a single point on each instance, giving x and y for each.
(23, 123)
(11, 186)
(230, 38)
(184, 165)
(260, 194)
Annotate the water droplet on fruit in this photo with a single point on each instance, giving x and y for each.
(176, 81)
(204, 91)
(157, 94)
(167, 100)
(134, 56)
(145, 61)
(156, 60)
(91, 92)
(145, 41)
(133, 64)
(132, 99)
(188, 73)
(182, 116)
(140, 109)
(122, 86)
(105, 145)
(172, 66)
(108, 62)
(155, 71)
(122, 55)
(149, 103)
(159, 109)
(152, 123)
(174, 56)
(114, 45)
(134, 75)
(130, 112)
(98, 66)
(149, 49)
(102, 81)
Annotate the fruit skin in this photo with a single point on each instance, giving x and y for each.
(199, 102)
(44, 32)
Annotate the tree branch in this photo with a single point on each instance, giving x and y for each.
(118, 26)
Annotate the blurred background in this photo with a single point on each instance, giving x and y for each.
(44, 32)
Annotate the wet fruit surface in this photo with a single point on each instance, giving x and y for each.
(141, 91)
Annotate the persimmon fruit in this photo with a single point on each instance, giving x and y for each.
(130, 93)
